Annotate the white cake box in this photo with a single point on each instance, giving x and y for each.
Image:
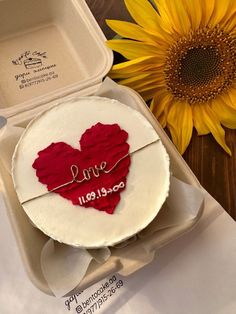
(52, 51)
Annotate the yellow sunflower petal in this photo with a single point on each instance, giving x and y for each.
(142, 82)
(174, 12)
(149, 94)
(132, 67)
(160, 102)
(126, 75)
(137, 79)
(182, 16)
(160, 35)
(131, 49)
(229, 98)
(145, 87)
(195, 11)
(225, 114)
(130, 30)
(180, 124)
(139, 64)
(142, 87)
(232, 96)
(143, 13)
(162, 120)
(231, 10)
(166, 19)
(208, 8)
(120, 75)
(229, 24)
(198, 120)
(212, 122)
(146, 84)
(220, 11)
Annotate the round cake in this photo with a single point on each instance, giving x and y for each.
(91, 172)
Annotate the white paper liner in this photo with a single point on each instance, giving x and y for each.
(181, 206)
(64, 266)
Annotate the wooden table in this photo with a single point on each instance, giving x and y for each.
(213, 167)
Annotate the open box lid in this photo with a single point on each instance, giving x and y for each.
(49, 49)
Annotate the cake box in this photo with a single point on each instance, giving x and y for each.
(52, 52)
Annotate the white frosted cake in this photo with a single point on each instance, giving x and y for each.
(91, 172)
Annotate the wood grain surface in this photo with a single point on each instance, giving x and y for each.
(215, 170)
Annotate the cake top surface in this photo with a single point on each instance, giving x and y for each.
(90, 172)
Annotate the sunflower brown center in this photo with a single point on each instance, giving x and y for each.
(201, 65)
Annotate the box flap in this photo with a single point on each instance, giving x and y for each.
(49, 49)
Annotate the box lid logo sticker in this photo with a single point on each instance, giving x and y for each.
(30, 60)
(33, 69)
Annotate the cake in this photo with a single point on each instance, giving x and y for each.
(91, 172)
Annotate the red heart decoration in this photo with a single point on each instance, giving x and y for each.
(101, 143)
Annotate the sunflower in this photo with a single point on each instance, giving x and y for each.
(181, 55)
